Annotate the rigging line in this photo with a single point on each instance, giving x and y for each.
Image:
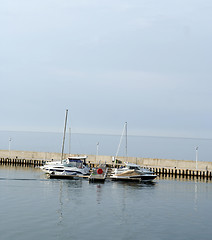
(121, 139)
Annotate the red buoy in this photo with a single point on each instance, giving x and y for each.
(99, 171)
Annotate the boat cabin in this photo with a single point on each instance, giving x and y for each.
(78, 162)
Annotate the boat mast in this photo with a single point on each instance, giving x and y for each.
(69, 148)
(64, 134)
(126, 139)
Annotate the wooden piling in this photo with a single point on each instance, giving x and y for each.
(23, 162)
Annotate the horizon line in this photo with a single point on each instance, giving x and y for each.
(109, 134)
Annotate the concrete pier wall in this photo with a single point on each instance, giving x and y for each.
(147, 162)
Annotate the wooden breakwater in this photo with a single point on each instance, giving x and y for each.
(161, 171)
(22, 161)
(166, 167)
(182, 172)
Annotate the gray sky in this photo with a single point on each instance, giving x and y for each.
(147, 62)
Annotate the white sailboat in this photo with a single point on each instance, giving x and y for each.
(134, 172)
(131, 171)
(69, 167)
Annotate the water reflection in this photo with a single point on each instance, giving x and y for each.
(60, 209)
(192, 186)
(98, 193)
(135, 184)
(195, 195)
(184, 178)
(66, 188)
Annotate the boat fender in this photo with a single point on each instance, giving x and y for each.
(99, 171)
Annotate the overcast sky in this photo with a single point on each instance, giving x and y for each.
(147, 62)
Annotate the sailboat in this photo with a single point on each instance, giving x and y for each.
(131, 171)
(67, 168)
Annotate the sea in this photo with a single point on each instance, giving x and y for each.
(32, 206)
(35, 207)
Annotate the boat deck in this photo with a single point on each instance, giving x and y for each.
(95, 177)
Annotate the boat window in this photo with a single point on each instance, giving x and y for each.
(134, 167)
(73, 163)
(56, 170)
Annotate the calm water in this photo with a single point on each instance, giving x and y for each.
(33, 207)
